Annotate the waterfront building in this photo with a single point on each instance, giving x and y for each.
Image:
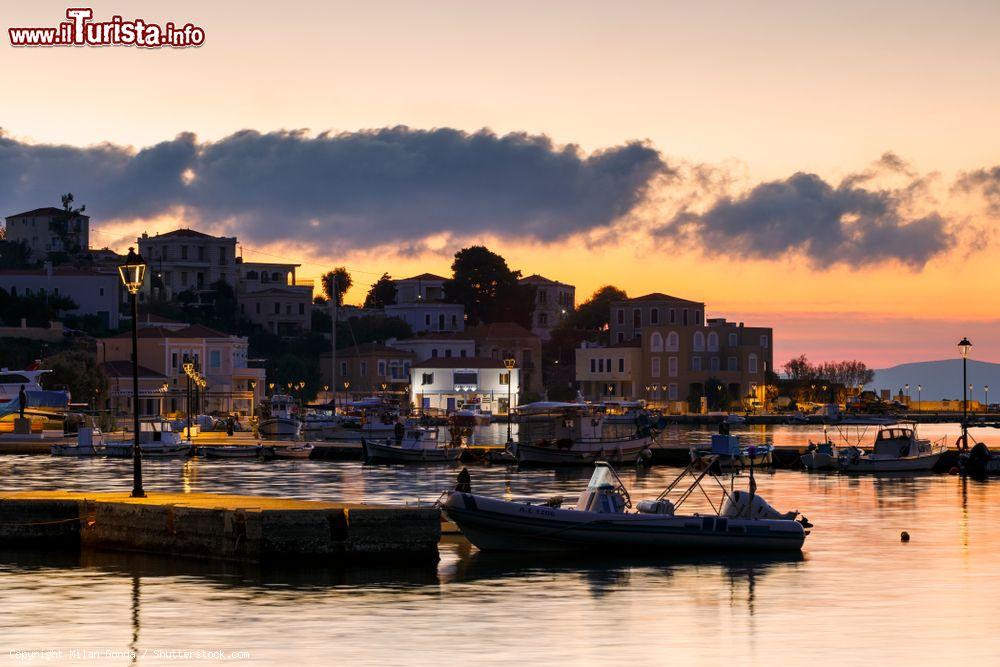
(270, 295)
(425, 287)
(613, 371)
(94, 292)
(220, 357)
(185, 259)
(153, 390)
(446, 384)
(46, 231)
(435, 345)
(503, 340)
(366, 367)
(554, 302)
(629, 316)
(420, 303)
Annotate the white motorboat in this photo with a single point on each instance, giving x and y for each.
(623, 412)
(896, 449)
(733, 419)
(603, 519)
(89, 442)
(728, 453)
(280, 419)
(302, 450)
(575, 437)
(472, 414)
(12, 381)
(418, 445)
(156, 439)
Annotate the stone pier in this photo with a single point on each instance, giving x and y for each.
(243, 528)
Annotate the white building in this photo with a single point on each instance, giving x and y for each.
(429, 316)
(437, 345)
(44, 231)
(446, 384)
(94, 293)
(272, 296)
(425, 287)
(185, 259)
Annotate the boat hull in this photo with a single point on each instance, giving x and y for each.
(292, 451)
(624, 451)
(909, 464)
(280, 427)
(819, 461)
(498, 525)
(382, 451)
(230, 452)
(149, 450)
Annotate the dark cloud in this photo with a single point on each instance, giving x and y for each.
(986, 181)
(828, 224)
(348, 190)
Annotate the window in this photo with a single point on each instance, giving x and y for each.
(593, 365)
(364, 368)
(102, 294)
(277, 308)
(427, 378)
(215, 359)
(173, 360)
(434, 353)
(673, 342)
(621, 364)
(184, 252)
(302, 309)
(343, 368)
(427, 320)
(505, 378)
(461, 353)
(696, 363)
(672, 367)
(543, 319)
(654, 367)
(752, 364)
(637, 318)
(447, 353)
(713, 341)
(600, 365)
(656, 342)
(672, 391)
(672, 316)
(734, 339)
(607, 364)
(466, 377)
(620, 337)
(730, 363)
(697, 317)
(201, 253)
(441, 322)
(713, 363)
(698, 341)
(654, 316)
(763, 341)
(381, 367)
(621, 316)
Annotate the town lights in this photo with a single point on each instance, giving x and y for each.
(132, 273)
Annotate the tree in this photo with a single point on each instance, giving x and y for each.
(61, 227)
(360, 330)
(799, 368)
(594, 314)
(382, 293)
(339, 278)
(77, 371)
(15, 255)
(488, 288)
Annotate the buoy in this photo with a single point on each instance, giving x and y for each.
(904, 536)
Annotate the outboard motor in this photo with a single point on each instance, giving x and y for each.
(977, 460)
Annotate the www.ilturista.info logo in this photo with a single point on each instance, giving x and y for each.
(79, 30)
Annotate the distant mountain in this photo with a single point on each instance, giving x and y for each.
(940, 379)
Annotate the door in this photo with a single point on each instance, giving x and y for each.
(451, 404)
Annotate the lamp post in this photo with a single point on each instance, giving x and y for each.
(188, 368)
(920, 404)
(963, 348)
(986, 388)
(509, 363)
(132, 273)
(906, 392)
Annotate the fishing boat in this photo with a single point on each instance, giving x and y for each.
(727, 453)
(896, 449)
(573, 434)
(604, 519)
(821, 455)
(281, 418)
(89, 442)
(418, 445)
(157, 439)
(302, 450)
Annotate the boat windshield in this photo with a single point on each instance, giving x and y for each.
(603, 478)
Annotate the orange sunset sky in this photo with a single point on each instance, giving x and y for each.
(830, 170)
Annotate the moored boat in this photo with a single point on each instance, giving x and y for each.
(231, 451)
(89, 442)
(280, 419)
(727, 453)
(156, 439)
(417, 445)
(896, 449)
(302, 450)
(603, 519)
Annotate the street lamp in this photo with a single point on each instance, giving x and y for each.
(906, 392)
(920, 405)
(986, 388)
(509, 363)
(963, 349)
(132, 273)
(188, 367)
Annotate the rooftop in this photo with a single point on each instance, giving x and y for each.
(191, 331)
(499, 330)
(536, 279)
(422, 276)
(660, 296)
(120, 369)
(45, 210)
(186, 232)
(460, 362)
(370, 349)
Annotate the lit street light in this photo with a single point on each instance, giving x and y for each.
(132, 273)
(963, 348)
(509, 363)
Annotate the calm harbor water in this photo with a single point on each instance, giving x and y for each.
(857, 595)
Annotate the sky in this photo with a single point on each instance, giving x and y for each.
(827, 169)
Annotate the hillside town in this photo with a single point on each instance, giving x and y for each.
(487, 335)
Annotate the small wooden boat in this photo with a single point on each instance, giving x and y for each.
(896, 449)
(231, 451)
(603, 519)
(280, 419)
(89, 442)
(157, 439)
(296, 451)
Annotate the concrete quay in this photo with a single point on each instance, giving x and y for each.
(227, 527)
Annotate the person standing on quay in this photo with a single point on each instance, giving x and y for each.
(22, 402)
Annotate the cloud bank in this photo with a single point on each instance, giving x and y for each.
(348, 190)
(828, 224)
